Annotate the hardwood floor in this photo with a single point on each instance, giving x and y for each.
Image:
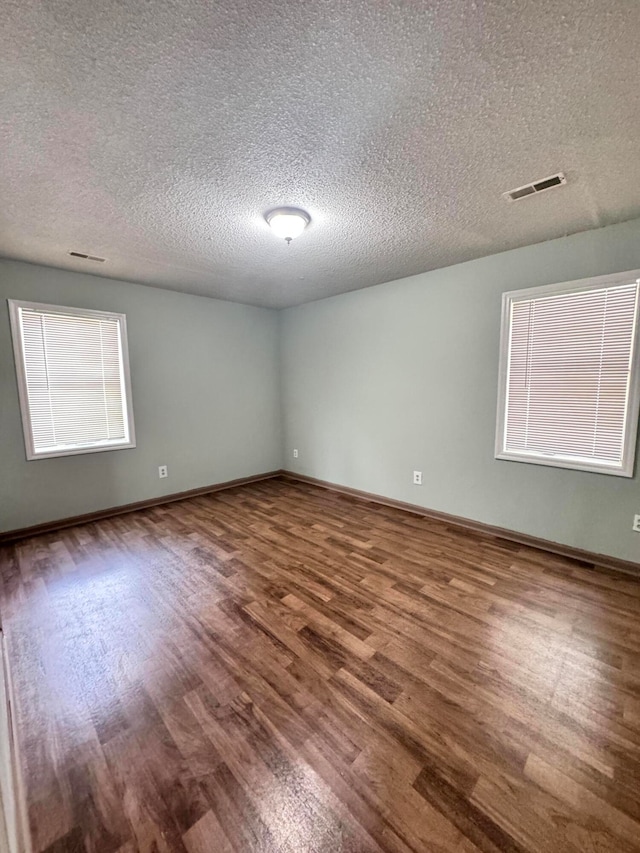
(282, 668)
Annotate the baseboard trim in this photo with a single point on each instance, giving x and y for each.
(589, 557)
(87, 518)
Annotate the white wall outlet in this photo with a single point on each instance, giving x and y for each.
(295, 454)
(417, 478)
(636, 523)
(163, 472)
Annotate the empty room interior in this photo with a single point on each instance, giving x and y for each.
(319, 401)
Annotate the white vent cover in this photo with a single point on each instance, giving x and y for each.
(86, 257)
(536, 187)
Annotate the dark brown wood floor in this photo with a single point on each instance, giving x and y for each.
(279, 668)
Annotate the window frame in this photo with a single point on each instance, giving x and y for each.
(627, 466)
(20, 366)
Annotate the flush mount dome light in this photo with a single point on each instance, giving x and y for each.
(288, 222)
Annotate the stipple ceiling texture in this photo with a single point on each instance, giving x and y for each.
(157, 134)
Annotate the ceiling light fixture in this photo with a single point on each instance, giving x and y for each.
(287, 222)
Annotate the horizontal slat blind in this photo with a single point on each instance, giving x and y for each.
(568, 374)
(74, 380)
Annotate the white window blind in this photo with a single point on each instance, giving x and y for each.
(569, 376)
(73, 379)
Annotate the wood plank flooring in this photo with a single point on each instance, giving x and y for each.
(281, 668)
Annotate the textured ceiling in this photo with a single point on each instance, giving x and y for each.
(156, 134)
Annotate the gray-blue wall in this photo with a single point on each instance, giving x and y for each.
(368, 386)
(403, 376)
(206, 398)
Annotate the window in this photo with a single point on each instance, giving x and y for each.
(73, 379)
(569, 375)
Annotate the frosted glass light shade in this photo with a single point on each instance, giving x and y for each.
(288, 222)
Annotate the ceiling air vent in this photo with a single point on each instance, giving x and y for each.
(86, 257)
(536, 187)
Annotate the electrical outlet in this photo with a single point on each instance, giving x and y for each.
(636, 523)
(295, 454)
(417, 478)
(163, 472)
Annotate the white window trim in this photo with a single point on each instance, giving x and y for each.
(626, 469)
(18, 352)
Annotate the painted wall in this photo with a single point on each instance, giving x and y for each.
(403, 376)
(206, 398)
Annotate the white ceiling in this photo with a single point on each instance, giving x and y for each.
(158, 133)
